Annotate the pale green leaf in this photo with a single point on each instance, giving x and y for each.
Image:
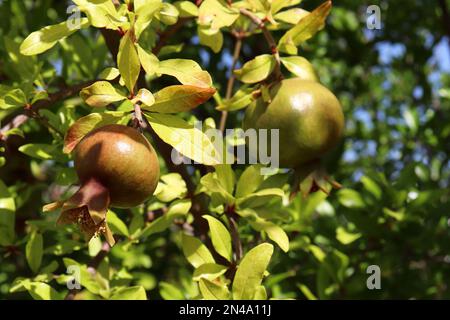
(210, 271)
(212, 38)
(256, 69)
(100, 94)
(249, 181)
(251, 271)
(34, 251)
(116, 224)
(213, 291)
(220, 237)
(148, 60)
(130, 293)
(45, 38)
(300, 67)
(170, 187)
(195, 251)
(7, 216)
(305, 29)
(216, 14)
(186, 71)
(186, 9)
(109, 74)
(128, 61)
(185, 138)
(179, 98)
(38, 150)
(275, 233)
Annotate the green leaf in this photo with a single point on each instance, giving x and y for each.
(372, 187)
(275, 233)
(186, 71)
(86, 124)
(185, 138)
(170, 292)
(195, 251)
(7, 216)
(249, 181)
(100, 94)
(216, 14)
(210, 271)
(44, 39)
(109, 74)
(145, 10)
(179, 98)
(241, 99)
(260, 293)
(300, 67)
(305, 29)
(116, 224)
(177, 209)
(305, 290)
(42, 291)
(260, 197)
(256, 69)
(15, 97)
(148, 61)
(291, 16)
(213, 291)
(128, 61)
(220, 237)
(101, 13)
(277, 5)
(212, 38)
(186, 9)
(251, 271)
(346, 237)
(33, 251)
(146, 97)
(171, 187)
(212, 185)
(168, 14)
(131, 293)
(38, 150)
(351, 199)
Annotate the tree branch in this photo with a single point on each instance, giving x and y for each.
(270, 40)
(230, 84)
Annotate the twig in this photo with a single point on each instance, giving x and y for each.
(168, 33)
(17, 118)
(229, 92)
(235, 237)
(270, 40)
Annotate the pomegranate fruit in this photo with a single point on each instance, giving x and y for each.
(117, 166)
(309, 118)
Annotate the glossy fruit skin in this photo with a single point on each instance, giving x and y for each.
(122, 160)
(309, 118)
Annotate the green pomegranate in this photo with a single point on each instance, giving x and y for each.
(309, 118)
(117, 167)
(122, 160)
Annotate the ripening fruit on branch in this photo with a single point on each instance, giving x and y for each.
(309, 118)
(118, 167)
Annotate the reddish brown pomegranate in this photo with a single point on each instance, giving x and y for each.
(118, 167)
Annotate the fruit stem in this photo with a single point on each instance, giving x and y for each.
(269, 38)
(138, 121)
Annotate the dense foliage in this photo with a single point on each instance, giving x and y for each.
(217, 231)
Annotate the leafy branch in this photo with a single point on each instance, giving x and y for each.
(269, 39)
